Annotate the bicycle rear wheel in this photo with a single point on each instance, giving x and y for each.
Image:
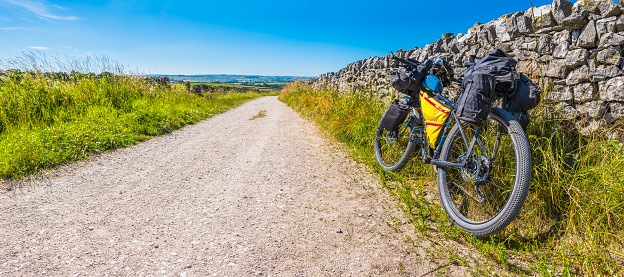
(393, 149)
(488, 191)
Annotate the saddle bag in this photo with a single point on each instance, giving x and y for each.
(479, 94)
(395, 115)
(435, 114)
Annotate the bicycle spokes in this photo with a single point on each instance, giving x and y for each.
(482, 185)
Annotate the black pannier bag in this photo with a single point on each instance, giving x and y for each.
(505, 67)
(479, 93)
(527, 97)
(395, 115)
(409, 82)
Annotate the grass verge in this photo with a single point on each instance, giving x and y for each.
(572, 222)
(51, 119)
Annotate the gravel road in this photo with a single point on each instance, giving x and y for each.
(230, 196)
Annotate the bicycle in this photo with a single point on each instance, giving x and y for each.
(483, 171)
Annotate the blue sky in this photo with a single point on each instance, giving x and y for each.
(300, 38)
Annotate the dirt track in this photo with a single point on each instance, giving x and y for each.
(229, 196)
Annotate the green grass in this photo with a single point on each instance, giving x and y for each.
(48, 120)
(214, 84)
(572, 222)
(260, 114)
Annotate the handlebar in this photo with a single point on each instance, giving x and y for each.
(392, 56)
(428, 62)
(431, 60)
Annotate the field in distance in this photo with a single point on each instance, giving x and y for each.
(252, 81)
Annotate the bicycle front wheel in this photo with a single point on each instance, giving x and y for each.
(487, 192)
(393, 149)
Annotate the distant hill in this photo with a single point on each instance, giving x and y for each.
(234, 79)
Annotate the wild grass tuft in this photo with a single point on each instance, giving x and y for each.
(48, 119)
(572, 221)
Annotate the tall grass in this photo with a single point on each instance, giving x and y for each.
(48, 119)
(572, 221)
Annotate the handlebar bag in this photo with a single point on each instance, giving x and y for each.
(395, 115)
(479, 94)
(435, 113)
(403, 83)
(409, 81)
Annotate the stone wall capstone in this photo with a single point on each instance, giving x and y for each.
(574, 51)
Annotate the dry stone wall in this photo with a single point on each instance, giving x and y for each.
(573, 50)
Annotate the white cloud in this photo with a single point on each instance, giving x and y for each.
(13, 28)
(40, 8)
(71, 48)
(40, 48)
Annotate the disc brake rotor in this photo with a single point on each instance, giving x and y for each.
(475, 169)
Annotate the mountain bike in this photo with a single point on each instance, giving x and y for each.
(484, 170)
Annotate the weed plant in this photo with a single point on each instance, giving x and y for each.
(572, 221)
(48, 119)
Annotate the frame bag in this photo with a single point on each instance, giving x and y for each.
(395, 115)
(436, 114)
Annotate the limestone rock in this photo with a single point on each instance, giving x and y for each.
(527, 55)
(606, 25)
(574, 22)
(505, 47)
(542, 17)
(559, 93)
(501, 31)
(577, 57)
(560, 10)
(578, 75)
(529, 67)
(531, 46)
(562, 42)
(545, 45)
(611, 39)
(589, 129)
(490, 29)
(198, 89)
(613, 90)
(511, 25)
(556, 69)
(592, 109)
(525, 26)
(610, 55)
(616, 110)
(584, 92)
(587, 38)
(608, 8)
(604, 72)
(619, 24)
(586, 6)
